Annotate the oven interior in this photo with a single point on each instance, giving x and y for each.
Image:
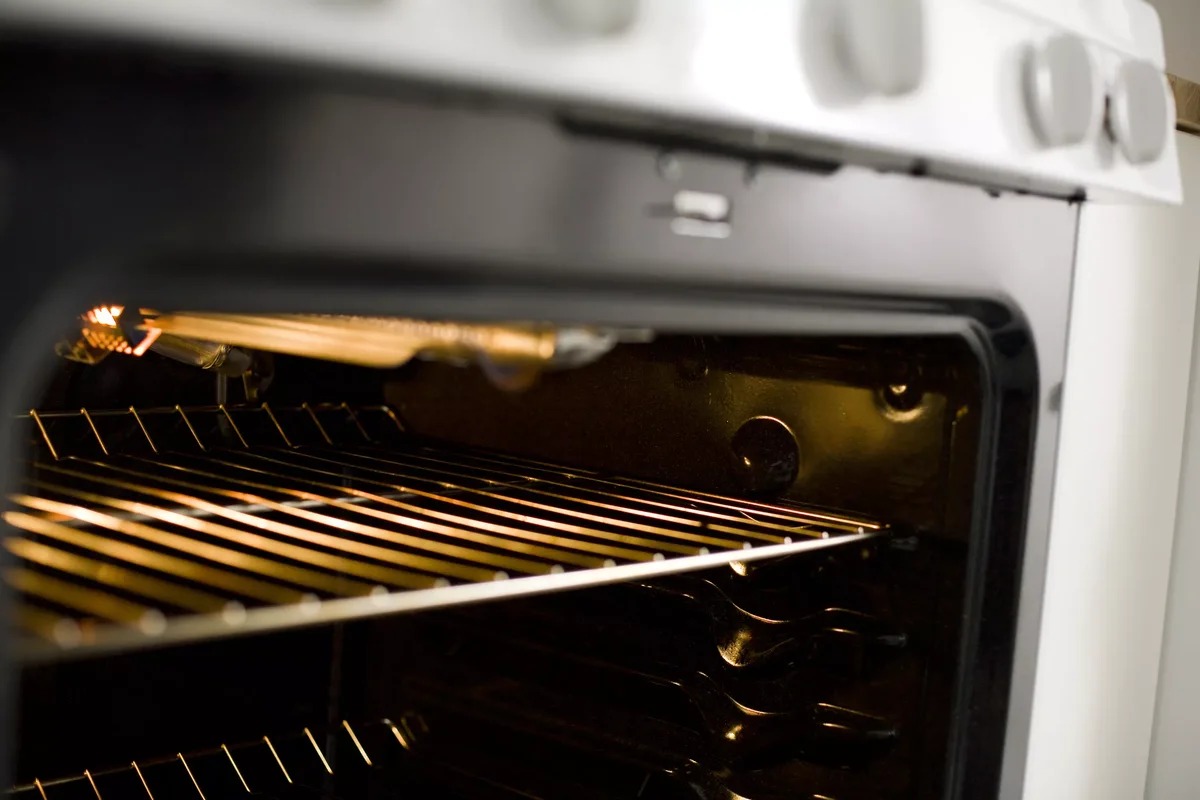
(324, 580)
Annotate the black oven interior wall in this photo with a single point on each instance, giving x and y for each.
(825, 674)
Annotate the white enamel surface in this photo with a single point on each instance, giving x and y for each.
(1174, 765)
(758, 65)
(1129, 357)
(1175, 753)
(1131, 26)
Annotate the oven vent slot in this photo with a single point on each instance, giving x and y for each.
(149, 526)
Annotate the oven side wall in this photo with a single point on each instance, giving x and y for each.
(1128, 361)
(1174, 770)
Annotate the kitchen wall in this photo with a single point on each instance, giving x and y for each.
(1181, 32)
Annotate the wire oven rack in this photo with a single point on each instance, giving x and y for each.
(310, 762)
(258, 768)
(148, 526)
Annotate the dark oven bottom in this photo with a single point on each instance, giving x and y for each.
(821, 675)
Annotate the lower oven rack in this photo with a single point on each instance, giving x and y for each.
(264, 767)
(150, 526)
(387, 752)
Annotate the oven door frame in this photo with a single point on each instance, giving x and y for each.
(235, 187)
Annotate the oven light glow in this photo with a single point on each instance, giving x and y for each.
(105, 315)
(152, 335)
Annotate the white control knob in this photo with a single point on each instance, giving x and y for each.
(593, 17)
(1139, 111)
(1061, 91)
(882, 43)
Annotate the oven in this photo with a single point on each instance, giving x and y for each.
(381, 437)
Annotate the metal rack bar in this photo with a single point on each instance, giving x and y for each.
(92, 783)
(316, 421)
(237, 534)
(142, 778)
(37, 419)
(191, 429)
(233, 425)
(275, 422)
(142, 427)
(237, 770)
(320, 755)
(183, 761)
(96, 433)
(278, 760)
(357, 744)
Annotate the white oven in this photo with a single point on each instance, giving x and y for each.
(673, 389)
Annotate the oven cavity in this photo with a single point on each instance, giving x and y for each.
(657, 566)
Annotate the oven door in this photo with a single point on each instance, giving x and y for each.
(205, 186)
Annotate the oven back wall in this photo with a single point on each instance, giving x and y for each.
(886, 426)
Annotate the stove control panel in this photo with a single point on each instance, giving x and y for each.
(1060, 98)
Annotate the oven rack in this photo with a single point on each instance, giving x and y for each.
(305, 762)
(255, 768)
(141, 527)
